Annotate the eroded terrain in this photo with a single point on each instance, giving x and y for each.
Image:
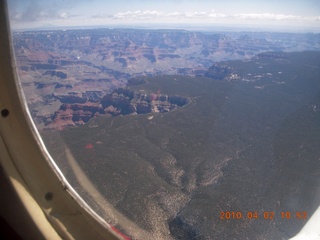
(82, 66)
(160, 132)
(246, 143)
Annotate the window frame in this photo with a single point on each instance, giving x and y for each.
(53, 205)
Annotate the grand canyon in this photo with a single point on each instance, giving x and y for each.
(82, 66)
(173, 128)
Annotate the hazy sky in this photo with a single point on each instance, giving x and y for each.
(290, 14)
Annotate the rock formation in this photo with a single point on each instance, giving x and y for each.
(121, 101)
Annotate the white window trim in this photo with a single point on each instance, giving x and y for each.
(54, 206)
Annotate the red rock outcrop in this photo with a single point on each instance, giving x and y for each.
(120, 102)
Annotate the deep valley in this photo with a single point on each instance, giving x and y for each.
(162, 130)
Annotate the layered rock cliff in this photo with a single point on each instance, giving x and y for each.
(121, 101)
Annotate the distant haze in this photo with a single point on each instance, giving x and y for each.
(285, 15)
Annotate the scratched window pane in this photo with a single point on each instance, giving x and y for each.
(179, 119)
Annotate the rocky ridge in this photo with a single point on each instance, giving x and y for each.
(122, 101)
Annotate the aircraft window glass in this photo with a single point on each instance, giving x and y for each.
(180, 119)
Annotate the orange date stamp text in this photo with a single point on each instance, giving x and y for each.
(227, 215)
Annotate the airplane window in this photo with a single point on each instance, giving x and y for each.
(179, 119)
